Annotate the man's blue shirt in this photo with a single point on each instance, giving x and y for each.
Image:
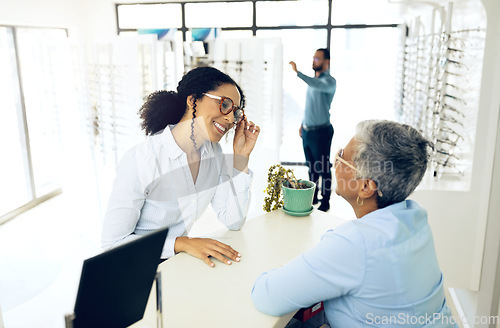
(320, 92)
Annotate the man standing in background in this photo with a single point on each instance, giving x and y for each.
(316, 130)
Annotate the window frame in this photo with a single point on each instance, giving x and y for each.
(21, 109)
(254, 28)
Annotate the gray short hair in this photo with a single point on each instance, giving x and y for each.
(393, 155)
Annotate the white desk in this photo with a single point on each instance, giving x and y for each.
(195, 295)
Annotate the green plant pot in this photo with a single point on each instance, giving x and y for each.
(298, 200)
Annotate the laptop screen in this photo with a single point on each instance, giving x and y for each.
(115, 285)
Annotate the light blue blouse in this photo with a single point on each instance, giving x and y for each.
(154, 188)
(378, 271)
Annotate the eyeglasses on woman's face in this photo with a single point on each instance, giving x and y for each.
(226, 106)
(339, 159)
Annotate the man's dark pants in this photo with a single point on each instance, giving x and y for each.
(317, 144)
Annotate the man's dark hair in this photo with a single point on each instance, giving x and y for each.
(326, 53)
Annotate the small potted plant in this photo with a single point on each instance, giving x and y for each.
(297, 196)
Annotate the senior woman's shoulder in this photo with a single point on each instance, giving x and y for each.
(348, 231)
(399, 210)
(394, 224)
(407, 209)
(407, 213)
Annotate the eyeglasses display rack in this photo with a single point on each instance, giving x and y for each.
(439, 92)
(117, 75)
(114, 78)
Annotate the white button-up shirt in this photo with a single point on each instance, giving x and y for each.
(154, 188)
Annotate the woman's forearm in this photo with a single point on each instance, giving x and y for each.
(240, 162)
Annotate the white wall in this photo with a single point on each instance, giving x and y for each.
(53, 13)
(85, 19)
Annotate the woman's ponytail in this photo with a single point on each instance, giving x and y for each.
(160, 109)
(167, 107)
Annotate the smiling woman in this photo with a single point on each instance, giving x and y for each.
(169, 180)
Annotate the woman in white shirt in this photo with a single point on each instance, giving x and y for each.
(169, 179)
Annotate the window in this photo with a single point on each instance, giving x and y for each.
(150, 16)
(235, 34)
(42, 71)
(219, 14)
(14, 173)
(36, 67)
(298, 13)
(360, 52)
(373, 12)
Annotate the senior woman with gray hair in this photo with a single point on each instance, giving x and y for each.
(380, 270)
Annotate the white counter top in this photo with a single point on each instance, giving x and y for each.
(195, 295)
